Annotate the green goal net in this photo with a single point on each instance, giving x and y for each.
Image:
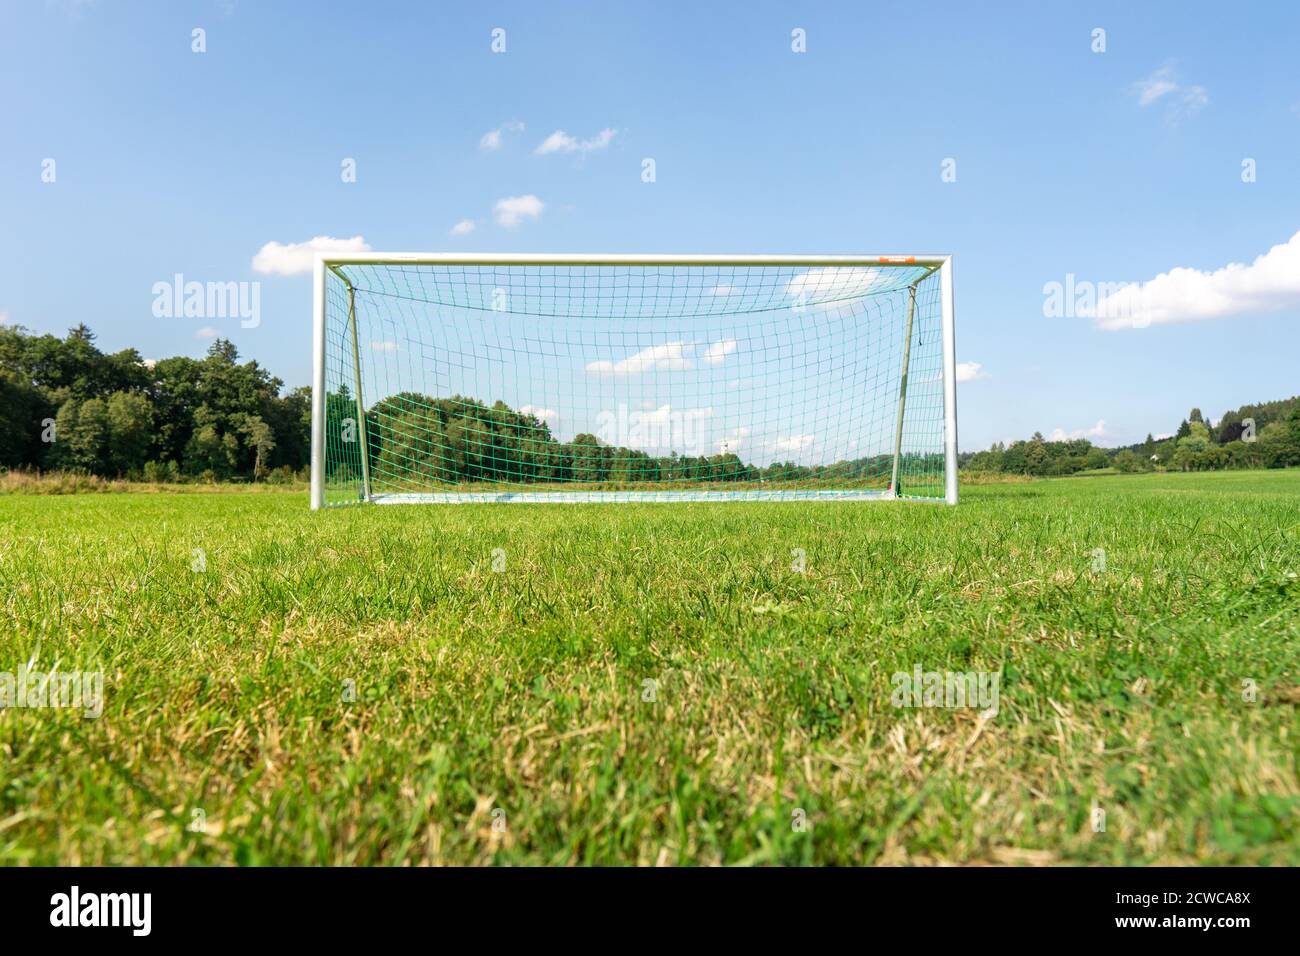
(461, 381)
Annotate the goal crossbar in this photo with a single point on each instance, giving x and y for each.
(339, 267)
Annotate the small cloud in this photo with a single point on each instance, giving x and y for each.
(1158, 84)
(718, 351)
(384, 346)
(1162, 436)
(722, 290)
(207, 332)
(548, 415)
(1097, 431)
(969, 371)
(562, 142)
(1181, 101)
(292, 258)
(1194, 97)
(491, 140)
(4, 316)
(512, 210)
(791, 443)
(463, 228)
(669, 356)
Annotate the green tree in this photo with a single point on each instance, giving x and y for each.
(590, 458)
(24, 411)
(1096, 458)
(290, 419)
(1127, 461)
(1197, 438)
(262, 440)
(210, 449)
(82, 436)
(130, 427)
(224, 395)
(1279, 442)
(1036, 456)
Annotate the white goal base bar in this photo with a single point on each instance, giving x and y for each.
(613, 497)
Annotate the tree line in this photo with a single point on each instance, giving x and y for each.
(1265, 435)
(65, 404)
(415, 439)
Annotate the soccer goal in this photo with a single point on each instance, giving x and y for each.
(444, 378)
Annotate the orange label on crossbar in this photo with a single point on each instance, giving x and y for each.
(908, 260)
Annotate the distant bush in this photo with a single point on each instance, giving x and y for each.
(159, 472)
(284, 475)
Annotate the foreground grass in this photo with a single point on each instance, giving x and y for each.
(657, 683)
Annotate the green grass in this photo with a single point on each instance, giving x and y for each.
(523, 690)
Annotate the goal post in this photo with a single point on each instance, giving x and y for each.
(452, 378)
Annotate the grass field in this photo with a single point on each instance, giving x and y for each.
(360, 686)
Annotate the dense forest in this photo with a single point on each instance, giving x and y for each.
(65, 404)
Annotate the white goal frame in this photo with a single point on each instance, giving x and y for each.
(326, 262)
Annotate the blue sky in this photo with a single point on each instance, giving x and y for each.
(1114, 167)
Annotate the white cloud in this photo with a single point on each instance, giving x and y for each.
(548, 415)
(562, 142)
(1162, 436)
(297, 257)
(1194, 98)
(4, 316)
(826, 288)
(384, 346)
(969, 371)
(1270, 283)
(513, 210)
(463, 228)
(1163, 84)
(669, 356)
(722, 290)
(716, 353)
(491, 140)
(1158, 84)
(207, 332)
(791, 443)
(1097, 431)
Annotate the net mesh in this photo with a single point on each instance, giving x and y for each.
(621, 382)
